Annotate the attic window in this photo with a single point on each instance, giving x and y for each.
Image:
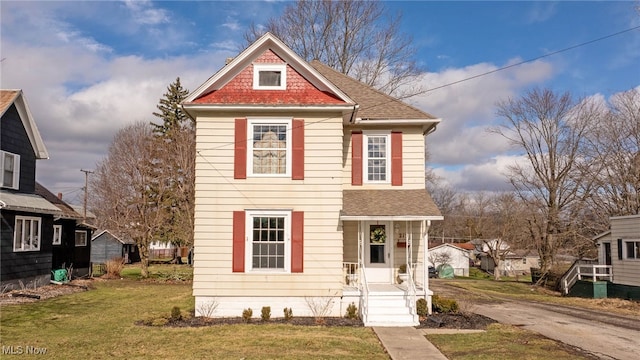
(269, 77)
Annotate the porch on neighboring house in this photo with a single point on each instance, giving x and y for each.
(384, 272)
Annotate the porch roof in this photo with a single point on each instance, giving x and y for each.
(388, 205)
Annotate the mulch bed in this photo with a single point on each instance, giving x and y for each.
(455, 321)
(28, 295)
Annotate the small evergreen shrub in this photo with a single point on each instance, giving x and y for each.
(288, 314)
(247, 314)
(175, 314)
(266, 313)
(352, 311)
(421, 307)
(444, 305)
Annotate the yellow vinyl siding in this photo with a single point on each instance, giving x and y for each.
(413, 163)
(218, 194)
(625, 271)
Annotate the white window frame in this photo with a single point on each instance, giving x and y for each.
(250, 215)
(16, 170)
(76, 238)
(257, 68)
(636, 255)
(57, 234)
(365, 156)
(269, 121)
(35, 223)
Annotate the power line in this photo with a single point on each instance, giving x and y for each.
(465, 79)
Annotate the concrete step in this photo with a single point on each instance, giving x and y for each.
(391, 320)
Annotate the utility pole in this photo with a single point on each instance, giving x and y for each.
(86, 182)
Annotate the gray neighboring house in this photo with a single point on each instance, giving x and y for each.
(106, 246)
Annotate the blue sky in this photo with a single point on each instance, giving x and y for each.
(89, 68)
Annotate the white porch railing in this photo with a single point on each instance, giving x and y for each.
(586, 272)
(350, 271)
(411, 290)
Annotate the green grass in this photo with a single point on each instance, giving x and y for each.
(159, 272)
(501, 342)
(100, 324)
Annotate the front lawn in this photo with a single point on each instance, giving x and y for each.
(100, 324)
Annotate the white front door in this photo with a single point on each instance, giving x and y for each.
(377, 252)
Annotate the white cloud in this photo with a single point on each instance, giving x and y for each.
(541, 12)
(143, 12)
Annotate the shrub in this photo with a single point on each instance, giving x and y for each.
(421, 307)
(175, 314)
(288, 314)
(266, 313)
(444, 305)
(247, 314)
(352, 311)
(114, 267)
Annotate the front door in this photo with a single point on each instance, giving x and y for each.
(377, 252)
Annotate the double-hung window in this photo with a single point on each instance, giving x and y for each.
(269, 147)
(633, 249)
(269, 241)
(81, 238)
(57, 234)
(26, 234)
(376, 157)
(269, 76)
(10, 164)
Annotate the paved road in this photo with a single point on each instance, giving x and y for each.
(604, 335)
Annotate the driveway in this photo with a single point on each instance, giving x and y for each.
(604, 335)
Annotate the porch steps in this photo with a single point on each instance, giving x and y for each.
(389, 308)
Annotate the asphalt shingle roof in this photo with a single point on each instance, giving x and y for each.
(388, 203)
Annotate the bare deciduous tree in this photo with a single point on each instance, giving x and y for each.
(613, 156)
(549, 128)
(354, 37)
(127, 191)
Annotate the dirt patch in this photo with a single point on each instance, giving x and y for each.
(28, 295)
(456, 321)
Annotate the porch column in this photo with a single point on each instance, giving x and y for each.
(425, 260)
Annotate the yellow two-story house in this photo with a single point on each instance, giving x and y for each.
(310, 192)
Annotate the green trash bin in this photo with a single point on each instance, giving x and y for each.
(60, 275)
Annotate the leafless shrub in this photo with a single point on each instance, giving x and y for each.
(320, 307)
(207, 309)
(114, 267)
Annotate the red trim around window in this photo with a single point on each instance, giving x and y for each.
(356, 158)
(238, 241)
(297, 146)
(396, 159)
(240, 153)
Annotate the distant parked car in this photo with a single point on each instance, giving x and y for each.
(433, 273)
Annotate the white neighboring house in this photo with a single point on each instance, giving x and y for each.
(161, 249)
(455, 256)
(620, 248)
(310, 191)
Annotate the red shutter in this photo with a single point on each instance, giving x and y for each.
(240, 153)
(356, 158)
(297, 241)
(396, 159)
(297, 145)
(238, 241)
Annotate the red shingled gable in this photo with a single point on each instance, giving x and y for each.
(240, 90)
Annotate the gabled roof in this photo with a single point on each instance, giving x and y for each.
(449, 245)
(16, 97)
(267, 42)
(388, 205)
(107, 232)
(66, 210)
(374, 104)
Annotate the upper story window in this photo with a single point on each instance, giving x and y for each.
(57, 234)
(26, 234)
(10, 164)
(269, 76)
(81, 238)
(270, 147)
(376, 157)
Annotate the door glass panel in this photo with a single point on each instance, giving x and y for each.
(378, 240)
